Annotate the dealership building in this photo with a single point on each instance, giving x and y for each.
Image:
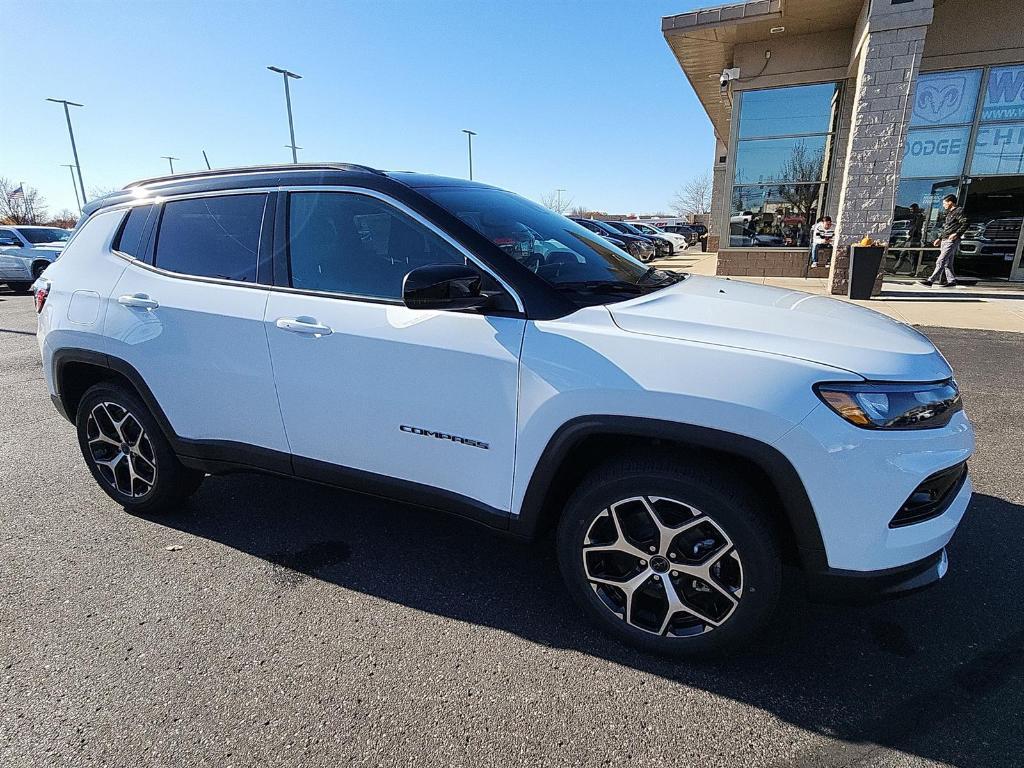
(868, 111)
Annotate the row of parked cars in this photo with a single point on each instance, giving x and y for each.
(644, 240)
(25, 251)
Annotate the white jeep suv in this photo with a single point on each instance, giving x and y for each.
(453, 345)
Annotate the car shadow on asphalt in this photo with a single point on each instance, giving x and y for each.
(939, 674)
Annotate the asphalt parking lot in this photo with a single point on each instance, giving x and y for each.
(275, 623)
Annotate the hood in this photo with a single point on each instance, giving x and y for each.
(819, 329)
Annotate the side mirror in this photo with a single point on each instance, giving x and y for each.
(443, 286)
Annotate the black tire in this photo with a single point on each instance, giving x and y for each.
(715, 505)
(161, 486)
(20, 287)
(38, 268)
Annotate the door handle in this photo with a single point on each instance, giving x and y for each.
(139, 300)
(305, 325)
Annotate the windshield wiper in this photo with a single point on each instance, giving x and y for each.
(664, 277)
(601, 286)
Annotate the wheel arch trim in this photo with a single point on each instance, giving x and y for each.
(797, 508)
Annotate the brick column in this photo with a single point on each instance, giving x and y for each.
(886, 60)
(720, 207)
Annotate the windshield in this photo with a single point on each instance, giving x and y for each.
(45, 235)
(649, 229)
(626, 227)
(556, 249)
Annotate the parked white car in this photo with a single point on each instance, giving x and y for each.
(679, 243)
(25, 251)
(686, 436)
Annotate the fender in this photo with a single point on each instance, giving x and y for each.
(796, 504)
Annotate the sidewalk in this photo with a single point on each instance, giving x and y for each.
(982, 308)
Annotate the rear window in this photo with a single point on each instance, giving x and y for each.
(130, 239)
(212, 236)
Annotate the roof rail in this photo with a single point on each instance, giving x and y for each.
(255, 169)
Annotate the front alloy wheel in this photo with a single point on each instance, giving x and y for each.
(662, 566)
(671, 554)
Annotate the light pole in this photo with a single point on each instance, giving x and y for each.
(469, 136)
(558, 203)
(288, 101)
(207, 161)
(170, 161)
(74, 184)
(71, 133)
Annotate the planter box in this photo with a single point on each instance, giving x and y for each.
(865, 263)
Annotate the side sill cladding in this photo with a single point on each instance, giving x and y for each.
(797, 506)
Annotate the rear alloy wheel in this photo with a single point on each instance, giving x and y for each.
(128, 454)
(121, 450)
(670, 557)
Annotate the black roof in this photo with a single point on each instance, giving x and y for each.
(305, 174)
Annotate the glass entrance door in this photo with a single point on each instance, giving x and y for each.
(991, 246)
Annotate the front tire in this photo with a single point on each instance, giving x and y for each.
(670, 556)
(127, 453)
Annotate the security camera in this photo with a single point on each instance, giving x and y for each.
(727, 75)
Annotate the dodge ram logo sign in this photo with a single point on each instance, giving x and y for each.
(939, 98)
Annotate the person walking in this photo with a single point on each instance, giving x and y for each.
(821, 235)
(948, 242)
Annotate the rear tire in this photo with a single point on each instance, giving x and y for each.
(670, 556)
(20, 287)
(128, 454)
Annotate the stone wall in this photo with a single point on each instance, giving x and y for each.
(781, 262)
(886, 62)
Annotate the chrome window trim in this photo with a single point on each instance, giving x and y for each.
(160, 199)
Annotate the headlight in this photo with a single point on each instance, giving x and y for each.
(893, 406)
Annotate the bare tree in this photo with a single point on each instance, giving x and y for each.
(580, 212)
(99, 191)
(556, 202)
(694, 197)
(802, 165)
(24, 207)
(65, 219)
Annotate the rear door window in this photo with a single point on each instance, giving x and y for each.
(212, 236)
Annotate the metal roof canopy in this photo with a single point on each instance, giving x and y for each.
(703, 40)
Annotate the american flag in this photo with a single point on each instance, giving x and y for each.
(17, 194)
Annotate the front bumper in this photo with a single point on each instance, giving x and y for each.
(834, 585)
(857, 480)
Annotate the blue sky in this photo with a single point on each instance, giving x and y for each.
(583, 96)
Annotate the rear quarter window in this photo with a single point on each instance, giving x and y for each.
(212, 236)
(129, 239)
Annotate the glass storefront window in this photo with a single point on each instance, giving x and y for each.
(946, 98)
(999, 149)
(762, 161)
(935, 151)
(783, 149)
(795, 111)
(917, 220)
(1004, 96)
(774, 216)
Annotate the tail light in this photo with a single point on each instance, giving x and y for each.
(42, 290)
